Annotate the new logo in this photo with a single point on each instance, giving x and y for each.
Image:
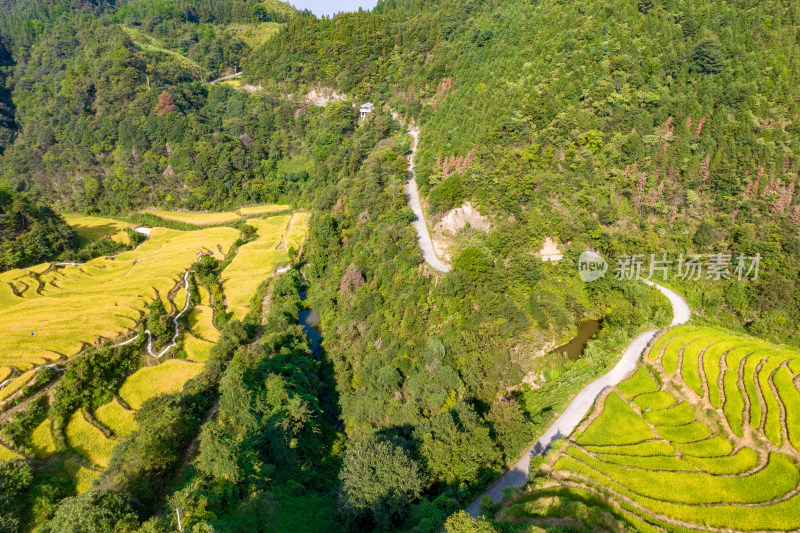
(591, 266)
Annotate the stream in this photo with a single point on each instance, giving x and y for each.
(310, 321)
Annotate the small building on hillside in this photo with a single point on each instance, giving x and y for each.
(365, 110)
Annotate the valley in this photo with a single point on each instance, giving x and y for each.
(460, 266)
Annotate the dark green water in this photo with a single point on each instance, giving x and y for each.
(574, 348)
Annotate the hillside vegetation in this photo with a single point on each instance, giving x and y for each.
(31, 233)
(625, 124)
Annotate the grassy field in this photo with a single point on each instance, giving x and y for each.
(254, 34)
(90, 228)
(151, 381)
(257, 260)
(151, 44)
(697, 452)
(71, 307)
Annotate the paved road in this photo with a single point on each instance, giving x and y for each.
(517, 476)
(423, 236)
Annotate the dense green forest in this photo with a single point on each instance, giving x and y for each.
(644, 127)
(30, 233)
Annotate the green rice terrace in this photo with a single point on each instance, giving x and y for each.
(705, 435)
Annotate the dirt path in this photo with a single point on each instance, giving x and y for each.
(235, 75)
(565, 424)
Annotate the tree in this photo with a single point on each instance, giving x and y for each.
(97, 510)
(378, 480)
(457, 446)
(705, 236)
(158, 320)
(473, 265)
(708, 56)
(15, 477)
(165, 104)
(645, 6)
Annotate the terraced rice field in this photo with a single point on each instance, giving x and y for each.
(6, 454)
(195, 217)
(257, 260)
(203, 335)
(82, 476)
(88, 441)
(116, 418)
(148, 382)
(298, 229)
(704, 436)
(56, 313)
(42, 440)
(91, 228)
(263, 209)
(151, 381)
(13, 386)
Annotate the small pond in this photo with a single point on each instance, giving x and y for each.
(574, 348)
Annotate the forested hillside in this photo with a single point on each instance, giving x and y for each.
(625, 124)
(30, 233)
(95, 91)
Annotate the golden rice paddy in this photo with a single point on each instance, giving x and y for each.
(42, 440)
(263, 209)
(91, 228)
(195, 218)
(68, 308)
(145, 383)
(88, 441)
(257, 260)
(116, 418)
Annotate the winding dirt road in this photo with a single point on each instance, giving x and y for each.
(412, 193)
(565, 424)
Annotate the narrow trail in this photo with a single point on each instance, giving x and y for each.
(565, 424)
(234, 75)
(412, 193)
(175, 319)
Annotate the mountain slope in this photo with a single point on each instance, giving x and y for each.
(621, 124)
